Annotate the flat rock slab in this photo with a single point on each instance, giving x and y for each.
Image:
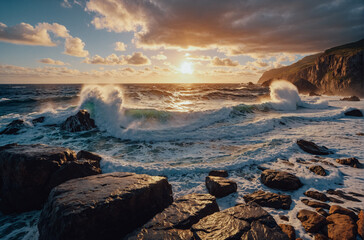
(311, 147)
(340, 210)
(311, 221)
(269, 199)
(342, 194)
(245, 221)
(26, 171)
(176, 220)
(341, 227)
(220, 186)
(105, 206)
(315, 204)
(317, 195)
(280, 180)
(219, 173)
(352, 162)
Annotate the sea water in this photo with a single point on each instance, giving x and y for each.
(183, 131)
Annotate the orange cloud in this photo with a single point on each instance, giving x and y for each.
(136, 58)
(223, 62)
(52, 62)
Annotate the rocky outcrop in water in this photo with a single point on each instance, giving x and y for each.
(269, 199)
(220, 186)
(14, 127)
(339, 70)
(82, 121)
(354, 113)
(313, 148)
(280, 180)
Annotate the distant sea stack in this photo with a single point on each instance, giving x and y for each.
(338, 71)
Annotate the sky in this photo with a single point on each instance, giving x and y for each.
(166, 41)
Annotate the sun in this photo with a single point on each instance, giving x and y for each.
(186, 68)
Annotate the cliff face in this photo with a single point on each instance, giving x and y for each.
(338, 70)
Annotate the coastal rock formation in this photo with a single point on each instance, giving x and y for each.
(341, 227)
(14, 127)
(176, 220)
(341, 194)
(315, 204)
(245, 221)
(312, 148)
(338, 70)
(105, 206)
(219, 186)
(280, 180)
(89, 156)
(311, 221)
(82, 121)
(322, 212)
(219, 173)
(38, 120)
(26, 171)
(289, 230)
(360, 224)
(317, 169)
(340, 210)
(352, 98)
(269, 199)
(354, 113)
(317, 195)
(352, 162)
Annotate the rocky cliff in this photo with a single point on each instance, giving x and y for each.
(338, 70)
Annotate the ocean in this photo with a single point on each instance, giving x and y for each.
(183, 131)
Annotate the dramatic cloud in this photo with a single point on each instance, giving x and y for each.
(223, 62)
(120, 46)
(52, 62)
(160, 57)
(75, 47)
(136, 58)
(235, 26)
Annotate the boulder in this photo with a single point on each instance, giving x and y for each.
(352, 98)
(219, 173)
(219, 186)
(319, 236)
(38, 120)
(315, 204)
(14, 127)
(311, 147)
(360, 224)
(26, 171)
(245, 221)
(313, 94)
(289, 230)
(317, 169)
(104, 206)
(176, 220)
(311, 221)
(317, 195)
(342, 195)
(340, 210)
(322, 212)
(79, 122)
(85, 155)
(284, 218)
(352, 162)
(269, 199)
(341, 227)
(280, 180)
(354, 113)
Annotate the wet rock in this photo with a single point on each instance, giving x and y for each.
(25, 171)
(317, 169)
(356, 194)
(340, 210)
(315, 204)
(85, 155)
(219, 186)
(280, 180)
(341, 227)
(174, 222)
(360, 134)
(352, 98)
(360, 224)
(335, 200)
(354, 113)
(284, 218)
(269, 199)
(14, 127)
(313, 94)
(219, 173)
(289, 230)
(245, 221)
(352, 162)
(319, 236)
(104, 206)
(311, 221)
(38, 120)
(316, 195)
(79, 122)
(322, 212)
(312, 148)
(342, 195)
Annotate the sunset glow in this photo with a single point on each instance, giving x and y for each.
(186, 68)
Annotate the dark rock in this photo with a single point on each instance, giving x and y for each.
(360, 224)
(284, 218)
(360, 134)
(105, 206)
(322, 212)
(219, 186)
(38, 120)
(85, 155)
(316, 195)
(313, 94)
(289, 230)
(352, 98)
(354, 113)
(280, 180)
(269, 199)
(315, 204)
(319, 236)
(341, 227)
(79, 122)
(352, 162)
(317, 169)
(312, 148)
(176, 220)
(25, 171)
(219, 173)
(356, 194)
(335, 200)
(340, 210)
(245, 221)
(14, 127)
(311, 221)
(342, 195)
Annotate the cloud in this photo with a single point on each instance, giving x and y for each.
(137, 58)
(120, 46)
(52, 62)
(198, 57)
(160, 57)
(75, 47)
(223, 62)
(235, 26)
